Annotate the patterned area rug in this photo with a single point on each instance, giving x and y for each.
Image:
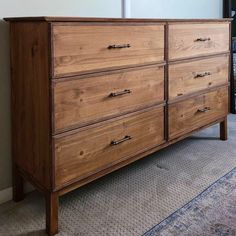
(212, 213)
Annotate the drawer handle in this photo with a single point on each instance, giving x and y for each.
(201, 75)
(202, 39)
(205, 109)
(114, 46)
(126, 91)
(126, 138)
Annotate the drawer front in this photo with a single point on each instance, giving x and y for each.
(190, 77)
(196, 112)
(190, 40)
(79, 48)
(88, 151)
(87, 100)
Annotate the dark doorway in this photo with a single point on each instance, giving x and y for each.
(229, 11)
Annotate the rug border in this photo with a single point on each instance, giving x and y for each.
(172, 217)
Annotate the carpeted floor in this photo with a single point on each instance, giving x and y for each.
(211, 213)
(134, 199)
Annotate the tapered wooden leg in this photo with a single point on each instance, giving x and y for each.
(224, 130)
(18, 185)
(52, 201)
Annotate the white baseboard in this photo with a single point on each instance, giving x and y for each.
(6, 194)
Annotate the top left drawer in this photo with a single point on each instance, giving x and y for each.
(82, 48)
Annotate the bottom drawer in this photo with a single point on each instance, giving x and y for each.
(89, 150)
(196, 112)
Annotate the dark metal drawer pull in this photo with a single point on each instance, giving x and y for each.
(114, 46)
(202, 39)
(126, 91)
(206, 109)
(126, 138)
(201, 75)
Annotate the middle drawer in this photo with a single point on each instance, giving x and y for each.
(85, 100)
(193, 76)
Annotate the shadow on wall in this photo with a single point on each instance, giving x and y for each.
(5, 144)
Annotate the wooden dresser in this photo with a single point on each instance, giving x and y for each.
(92, 95)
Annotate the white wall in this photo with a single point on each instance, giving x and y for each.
(176, 8)
(90, 8)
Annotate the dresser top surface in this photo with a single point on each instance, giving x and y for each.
(89, 19)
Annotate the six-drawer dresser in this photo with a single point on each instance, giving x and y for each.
(92, 95)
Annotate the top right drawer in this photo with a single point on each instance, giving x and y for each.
(197, 39)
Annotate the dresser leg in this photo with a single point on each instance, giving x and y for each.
(52, 201)
(18, 185)
(223, 130)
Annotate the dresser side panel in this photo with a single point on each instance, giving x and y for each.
(30, 100)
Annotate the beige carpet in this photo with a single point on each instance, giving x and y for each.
(130, 201)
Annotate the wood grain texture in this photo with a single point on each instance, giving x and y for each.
(80, 48)
(30, 100)
(75, 159)
(183, 39)
(193, 76)
(196, 112)
(89, 99)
